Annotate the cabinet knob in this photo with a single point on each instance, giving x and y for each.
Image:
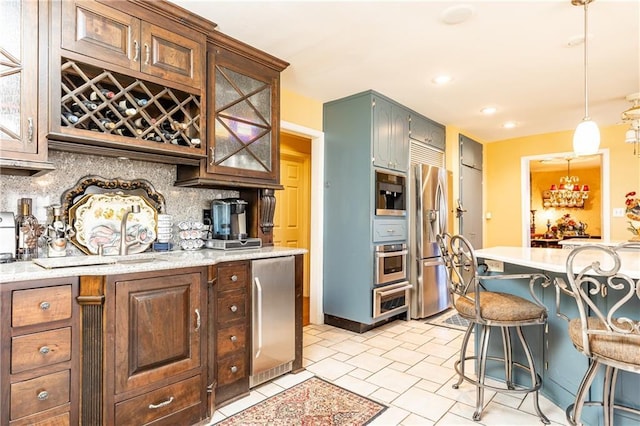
(234, 278)
(233, 308)
(234, 369)
(44, 350)
(233, 339)
(43, 395)
(45, 305)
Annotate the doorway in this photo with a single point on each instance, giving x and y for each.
(531, 163)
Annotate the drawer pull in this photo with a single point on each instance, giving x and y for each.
(234, 278)
(43, 395)
(162, 404)
(234, 369)
(45, 305)
(233, 339)
(44, 350)
(233, 308)
(197, 319)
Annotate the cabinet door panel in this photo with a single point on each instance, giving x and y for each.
(101, 32)
(170, 56)
(157, 332)
(382, 123)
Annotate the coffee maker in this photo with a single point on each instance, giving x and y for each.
(229, 223)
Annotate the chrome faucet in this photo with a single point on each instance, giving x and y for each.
(124, 247)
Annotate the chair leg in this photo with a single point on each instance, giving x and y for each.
(508, 360)
(534, 376)
(574, 411)
(463, 352)
(482, 370)
(610, 378)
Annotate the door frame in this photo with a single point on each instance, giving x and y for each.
(525, 190)
(316, 313)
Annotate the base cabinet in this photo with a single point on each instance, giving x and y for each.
(231, 330)
(154, 367)
(39, 363)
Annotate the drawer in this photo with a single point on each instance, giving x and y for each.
(232, 276)
(39, 394)
(40, 305)
(231, 369)
(231, 306)
(38, 349)
(44, 419)
(159, 403)
(389, 230)
(230, 339)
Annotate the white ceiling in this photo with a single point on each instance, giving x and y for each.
(513, 55)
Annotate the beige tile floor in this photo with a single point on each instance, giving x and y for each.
(406, 365)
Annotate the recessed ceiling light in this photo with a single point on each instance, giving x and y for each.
(457, 14)
(489, 110)
(509, 124)
(442, 79)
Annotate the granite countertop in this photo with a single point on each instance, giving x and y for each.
(21, 271)
(554, 260)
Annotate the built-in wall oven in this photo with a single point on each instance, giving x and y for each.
(391, 287)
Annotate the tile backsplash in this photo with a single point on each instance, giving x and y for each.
(46, 190)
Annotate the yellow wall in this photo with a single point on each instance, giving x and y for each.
(589, 214)
(503, 171)
(300, 110)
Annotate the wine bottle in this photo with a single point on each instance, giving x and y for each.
(140, 101)
(108, 94)
(76, 108)
(27, 232)
(142, 123)
(105, 122)
(151, 136)
(124, 131)
(125, 109)
(71, 118)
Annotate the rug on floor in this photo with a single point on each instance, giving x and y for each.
(450, 319)
(312, 402)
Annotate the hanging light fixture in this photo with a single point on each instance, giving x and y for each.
(632, 116)
(568, 193)
(586, 138)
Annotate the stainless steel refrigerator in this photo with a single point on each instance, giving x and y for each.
(428, 218)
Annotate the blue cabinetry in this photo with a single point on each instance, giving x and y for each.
(424, 130)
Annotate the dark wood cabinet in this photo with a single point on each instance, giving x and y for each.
(243, 114)
(155, 362)
(23, 149)
(39, 362)
(231, 345)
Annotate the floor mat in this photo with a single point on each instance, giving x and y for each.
(450, 319)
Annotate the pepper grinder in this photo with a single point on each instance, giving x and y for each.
(57, 234)
(27, 232)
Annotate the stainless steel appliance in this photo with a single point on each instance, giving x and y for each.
(229, 219)
(273, 320)
(390, 262)
(428, 218)
(391, 299)
(390, 194)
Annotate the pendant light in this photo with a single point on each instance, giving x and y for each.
(586, 138)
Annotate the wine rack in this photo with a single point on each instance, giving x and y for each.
(99, 100)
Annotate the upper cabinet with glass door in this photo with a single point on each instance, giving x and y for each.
(243, 117)
(22, 149)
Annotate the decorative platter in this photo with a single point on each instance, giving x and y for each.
(96, 220)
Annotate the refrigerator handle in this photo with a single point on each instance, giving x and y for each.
(441, 199)
(258, 323)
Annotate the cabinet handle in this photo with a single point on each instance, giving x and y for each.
(44, 350)
(212, 150)
(233, 308)
(45, 305)
(197, 319)
(30, 130)
(234, 278)
(136, 51)
(147, 52)
(234, 369)
(233, 339)
(43, 395)
(162, 404)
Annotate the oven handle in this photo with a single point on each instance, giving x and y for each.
(391, 253)
(394, 290)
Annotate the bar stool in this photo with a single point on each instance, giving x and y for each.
(603, 331)
(488, 310)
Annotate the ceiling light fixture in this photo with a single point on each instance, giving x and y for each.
(568, 193)
(488, 110)
(586, 138)
(632, 116)
(509, 125)
(441, 79)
